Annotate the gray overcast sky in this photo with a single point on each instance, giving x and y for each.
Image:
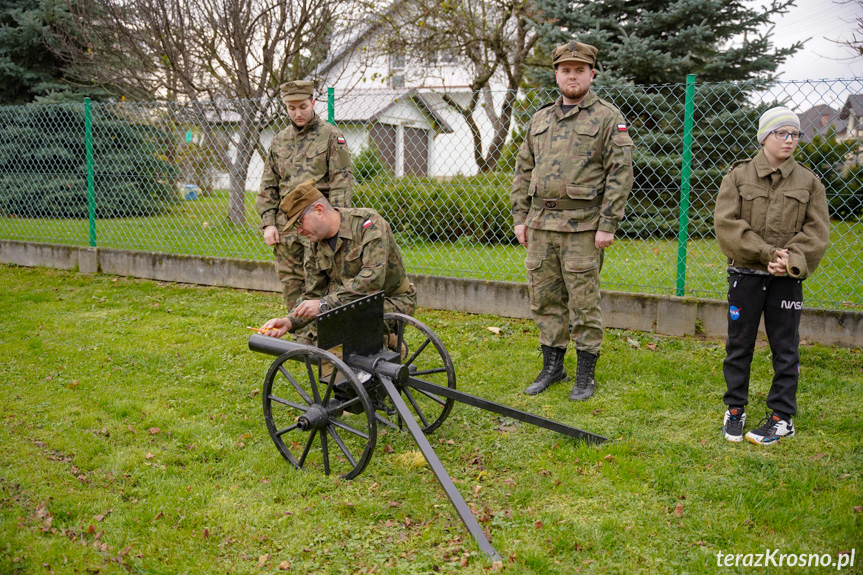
(822, 21)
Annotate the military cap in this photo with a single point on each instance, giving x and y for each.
(298, 200)
(297, 90)
(574, 52)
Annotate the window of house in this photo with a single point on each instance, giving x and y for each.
(397, 69)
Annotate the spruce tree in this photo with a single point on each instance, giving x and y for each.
(43, 168)
(30, 67)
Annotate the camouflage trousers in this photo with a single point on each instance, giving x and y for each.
(563, 285)
(290, 254)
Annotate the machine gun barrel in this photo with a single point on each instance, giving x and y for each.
(273, 345)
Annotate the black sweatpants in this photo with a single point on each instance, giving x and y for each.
(780, 299)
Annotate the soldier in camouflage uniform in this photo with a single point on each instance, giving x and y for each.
(353, 254)
(572, 178)
(308, 148)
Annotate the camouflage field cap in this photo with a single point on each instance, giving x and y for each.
(574, 52)
(297, 90)
(301, 197)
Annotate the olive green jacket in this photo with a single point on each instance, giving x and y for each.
(366, 260)
(760, 210)
(317, 151)
(585, 155)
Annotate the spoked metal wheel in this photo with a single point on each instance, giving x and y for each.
(427, 360)
(318, 413)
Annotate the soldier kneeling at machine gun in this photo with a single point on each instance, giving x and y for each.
(353, 254)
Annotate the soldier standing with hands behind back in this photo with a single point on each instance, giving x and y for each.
(309, 148)
(573, 175)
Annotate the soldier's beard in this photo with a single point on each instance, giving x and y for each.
(575, 92)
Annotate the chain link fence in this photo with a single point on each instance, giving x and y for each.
(182, 177)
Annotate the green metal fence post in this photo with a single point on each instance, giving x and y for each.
(685, 172)
(331, 105)
(91, 191)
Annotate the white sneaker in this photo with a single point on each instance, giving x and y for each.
(732, 425)
(770, 430)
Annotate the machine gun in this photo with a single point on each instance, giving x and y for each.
(322, 405)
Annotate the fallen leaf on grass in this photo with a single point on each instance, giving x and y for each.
(494, 330)
(395, 504)
(818, 456)
(262, 560)
(102, 517)
(154, 430)
(678, 511)
(476, 490)
(388, 448)
(858, 509)
(284, 565)
(537, 524)
(205, 533)
(651, 346)
(633, 343)
(149, 456)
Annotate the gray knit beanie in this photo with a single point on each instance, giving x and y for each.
(775, 118)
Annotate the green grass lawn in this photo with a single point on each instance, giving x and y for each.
(642, 266)
(132, 440)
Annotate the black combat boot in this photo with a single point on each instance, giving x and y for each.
(585, 380)
(552, 370)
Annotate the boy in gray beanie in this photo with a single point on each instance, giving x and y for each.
(772, 223)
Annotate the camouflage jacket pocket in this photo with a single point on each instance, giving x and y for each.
(583, 139)
(317, 159)
(580, 192)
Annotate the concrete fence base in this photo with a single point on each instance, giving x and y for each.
(660, 314)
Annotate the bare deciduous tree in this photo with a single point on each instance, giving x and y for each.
(234, 51)
(493, 38)
(855, 43)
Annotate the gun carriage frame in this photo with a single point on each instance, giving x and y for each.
(322, 405)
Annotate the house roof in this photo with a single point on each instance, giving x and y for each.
(353, 39)
(818, 120)
(853, 106)
(368, 106)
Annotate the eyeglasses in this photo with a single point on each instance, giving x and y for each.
(783, 135)
(299, 221)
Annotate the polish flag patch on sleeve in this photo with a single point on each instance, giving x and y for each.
(621, 127)
(367, 224)
(341, 140)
